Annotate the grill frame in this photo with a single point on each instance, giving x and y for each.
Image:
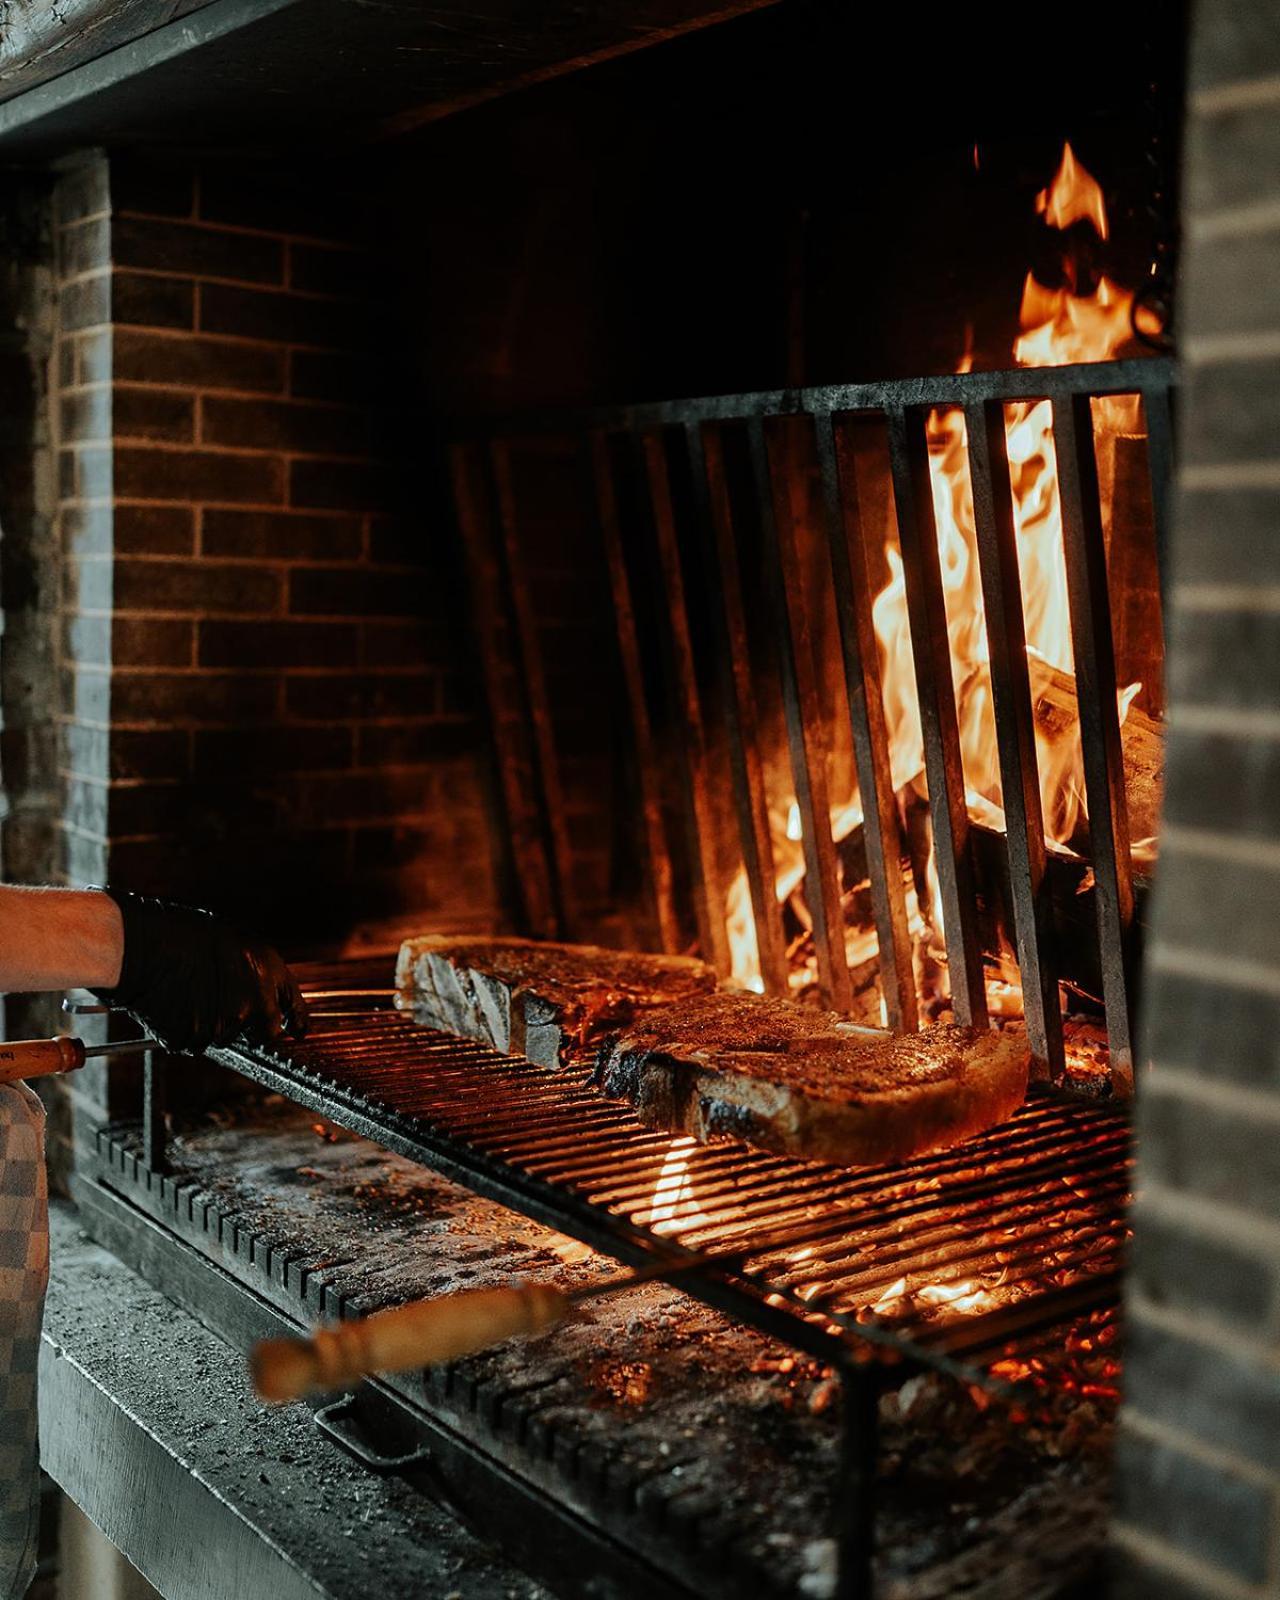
(877, 1359)
(653, 436)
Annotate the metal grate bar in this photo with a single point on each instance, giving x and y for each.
(860, 652)
(807, 1250)
(711, 493)
(1015, 734)
(535, 684)
(931, 652)
(1094, 651)
(649, 775)
(805, 721)
(709, 898)
(1157, 409)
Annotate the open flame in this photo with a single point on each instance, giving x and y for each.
(1067, 324)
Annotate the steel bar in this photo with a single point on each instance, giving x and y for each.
(512, 758)
(534, 684)
(944, 768)
(711, 490)
(1094, 652)
(1015, 734)
(856, 1485)
(650, 767)
(709, 898)
(944, 389)
(806, 729)
(854, 590)
(1157, 409)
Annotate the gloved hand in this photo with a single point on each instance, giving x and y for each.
(190, 979)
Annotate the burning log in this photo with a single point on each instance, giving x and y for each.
(547, 1002)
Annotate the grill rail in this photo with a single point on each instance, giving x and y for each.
(954, 1260)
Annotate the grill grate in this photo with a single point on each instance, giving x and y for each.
(955, 1260)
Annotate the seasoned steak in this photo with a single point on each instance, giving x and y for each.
(550, 1002)
(806, 1083)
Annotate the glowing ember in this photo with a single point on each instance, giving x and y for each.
(966, 1297)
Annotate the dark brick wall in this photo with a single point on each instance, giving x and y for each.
(1199, 1464)
(266, 681)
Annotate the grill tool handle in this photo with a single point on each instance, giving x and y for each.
(416, 1335)
(39, 1058)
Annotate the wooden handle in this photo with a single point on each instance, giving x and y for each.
(416, 1335)
(37, 1058)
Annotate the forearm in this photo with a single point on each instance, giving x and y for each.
(58, 939)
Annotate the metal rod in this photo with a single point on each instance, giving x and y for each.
(854, 589)
(711, 490)
(534, 684)
(650, 767)
(856, 1484)
(1157, 409)
(931, 652)
(1015, 734)
(709, 899)
(511, 754)
(1094, 652)
(806, 725)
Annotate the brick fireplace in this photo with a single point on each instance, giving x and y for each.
(255, 681)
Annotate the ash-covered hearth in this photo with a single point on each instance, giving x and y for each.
(708, 1448)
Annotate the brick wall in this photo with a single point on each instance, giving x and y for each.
(1199, 1465)
(266, 700)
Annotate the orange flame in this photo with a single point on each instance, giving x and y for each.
(1059, 326)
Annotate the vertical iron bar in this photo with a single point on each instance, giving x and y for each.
(1156, 408)
(856, 1483)
(709, 900)
(1015, 733)
(860, 652)
(528, 845)
(633, 677)
(706, 461)
(154, 1106)
(1094, 652)
(535, 683)
(931, 652)
(806, 733)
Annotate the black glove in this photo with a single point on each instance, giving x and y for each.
(194, 982)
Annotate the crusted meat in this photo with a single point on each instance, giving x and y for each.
(549, 1002)
(807, 1083)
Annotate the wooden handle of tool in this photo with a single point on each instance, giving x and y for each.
(416, 1335)
(37, 1058)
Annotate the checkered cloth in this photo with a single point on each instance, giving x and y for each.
(24, 1273)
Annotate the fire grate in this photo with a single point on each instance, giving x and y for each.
(624, 466)
(957, 1260)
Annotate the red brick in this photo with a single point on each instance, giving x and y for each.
(188, 698)
(277, 315)
(139, 184)
(278, 643)
(255, 752)
(337, 485)
(181, 247)
(330, 375)
(284, 425)
(280, 535)
(149, 301)
(383, 744)
(152, 642)
(201, 363)
(143, 474)
(362, 694)
(352, 592)
(158, 530)
(198, 586)
(407, 644)
(361, 796)
(326, 269)
(150, 753)
(160, 414)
